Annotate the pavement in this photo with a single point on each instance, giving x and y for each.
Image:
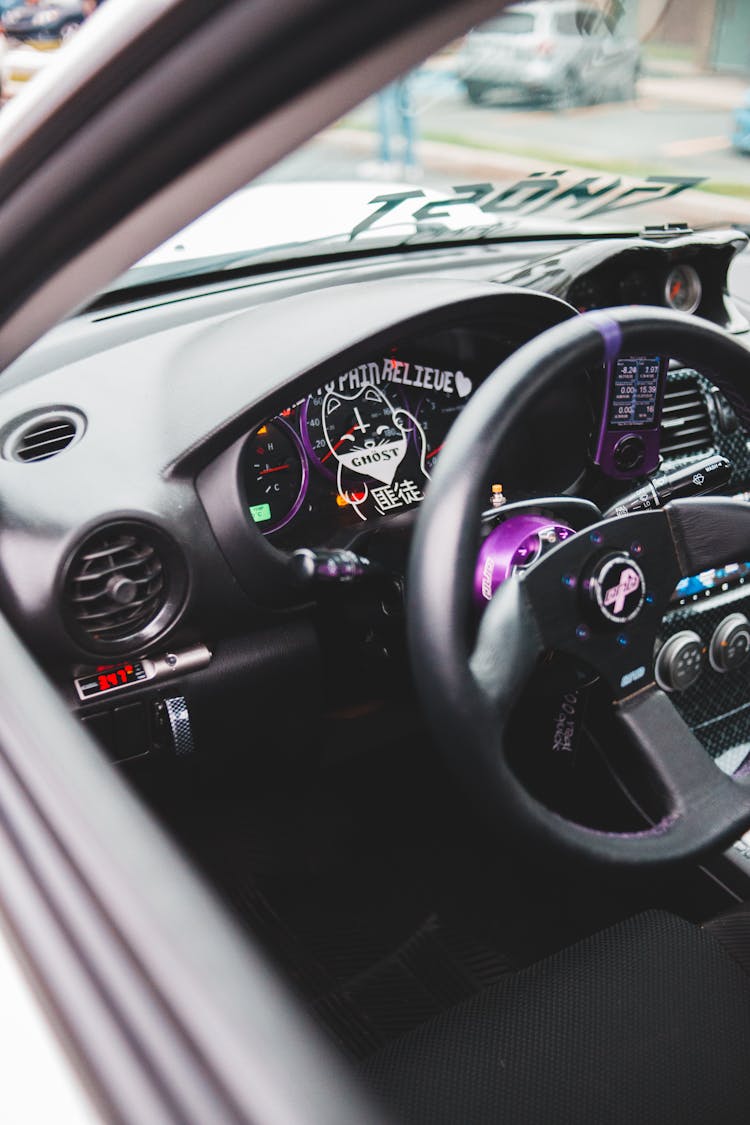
(693, 88)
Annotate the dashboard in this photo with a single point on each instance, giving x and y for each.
(161, 461)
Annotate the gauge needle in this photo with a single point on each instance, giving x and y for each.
(338, 443)
(434, 452)
(273, 469)
(675, 289)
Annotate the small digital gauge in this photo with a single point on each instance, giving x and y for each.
(275, 475)
(634, 392)
(436, 418)
(110, 677)
(683, 289)
(628, 444)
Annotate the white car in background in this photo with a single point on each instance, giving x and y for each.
(562, 52)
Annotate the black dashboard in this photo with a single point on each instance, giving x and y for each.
(161, 459)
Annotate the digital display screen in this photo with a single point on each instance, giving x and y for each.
(109, 677)
(635, 392)
(722, 576)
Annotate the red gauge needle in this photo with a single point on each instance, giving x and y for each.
(273, 469)
(338, 443)
(675, 289)
(434, 452)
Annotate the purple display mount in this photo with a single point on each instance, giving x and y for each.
(515, 543)
(623, 452)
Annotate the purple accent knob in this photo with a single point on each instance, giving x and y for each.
(517, 542)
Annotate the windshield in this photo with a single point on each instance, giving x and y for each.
(554, 117)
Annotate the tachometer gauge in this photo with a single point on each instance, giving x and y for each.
(436, 419)
(683, 289)
(275, 475)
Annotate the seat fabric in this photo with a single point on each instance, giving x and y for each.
(648, 1021)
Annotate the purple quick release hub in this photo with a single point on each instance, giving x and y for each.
(514, 544)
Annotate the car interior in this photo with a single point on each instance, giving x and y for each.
(409, 591)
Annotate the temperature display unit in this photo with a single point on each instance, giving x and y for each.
(628, 443)
(110, 677)
(106, 678)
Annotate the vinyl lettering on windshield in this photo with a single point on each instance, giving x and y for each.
(582, 197)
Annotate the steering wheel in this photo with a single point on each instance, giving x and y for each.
(564, 602)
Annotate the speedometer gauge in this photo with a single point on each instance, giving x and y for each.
(683, 289)
(275, 475)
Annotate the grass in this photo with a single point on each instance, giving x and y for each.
(719, 187)
(669, 52)
(549, 157)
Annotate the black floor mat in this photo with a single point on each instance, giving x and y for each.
(377, 893)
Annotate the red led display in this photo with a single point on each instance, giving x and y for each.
(110, 676)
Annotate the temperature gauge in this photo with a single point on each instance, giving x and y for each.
(275, 475)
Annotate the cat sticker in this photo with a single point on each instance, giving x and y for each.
(371, 441)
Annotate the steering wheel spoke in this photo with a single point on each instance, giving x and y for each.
(699, 800)
(600, 596)
(508, 645)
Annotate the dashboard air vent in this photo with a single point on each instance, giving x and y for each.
(44, 435)
(120, 588)
(686, 424)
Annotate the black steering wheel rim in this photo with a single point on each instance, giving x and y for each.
(466, 708)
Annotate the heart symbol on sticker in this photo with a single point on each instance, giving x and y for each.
(464, 385)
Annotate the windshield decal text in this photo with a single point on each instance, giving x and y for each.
(583, 197)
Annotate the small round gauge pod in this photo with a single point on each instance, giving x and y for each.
(683, 289)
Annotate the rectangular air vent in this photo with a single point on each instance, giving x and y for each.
(685, 425)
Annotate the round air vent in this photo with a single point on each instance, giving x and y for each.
(43, 435)
(123, 587)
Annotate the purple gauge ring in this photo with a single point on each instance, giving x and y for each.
(288, 432)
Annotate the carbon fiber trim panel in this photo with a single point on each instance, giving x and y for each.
(717, 707)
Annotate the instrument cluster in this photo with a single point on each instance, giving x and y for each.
(362, 446)
(365, 444)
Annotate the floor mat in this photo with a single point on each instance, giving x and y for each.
(379, 894)
(365, 996)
